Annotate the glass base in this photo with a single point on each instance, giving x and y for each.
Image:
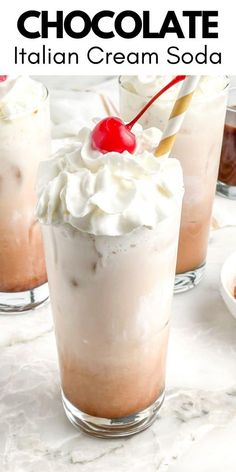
(112, 428)
(188, 280)
(228, 191)
(18, 302)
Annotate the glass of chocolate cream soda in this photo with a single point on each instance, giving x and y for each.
(226, 185)
(197, 147)
(24, 142)
(110, 226)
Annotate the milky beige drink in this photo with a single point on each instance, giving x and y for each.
(112, 349)
(24, 142)
(110, 226)
(197, 147)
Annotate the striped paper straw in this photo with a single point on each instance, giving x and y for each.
(177, 115)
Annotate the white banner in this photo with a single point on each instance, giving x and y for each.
(85, 37)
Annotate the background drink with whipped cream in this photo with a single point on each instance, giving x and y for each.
(24, 142)
(197, 147)
(111, 224)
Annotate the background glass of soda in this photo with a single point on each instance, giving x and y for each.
(226, 184)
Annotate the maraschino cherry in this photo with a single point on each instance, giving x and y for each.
(112, 134)
(3, 78)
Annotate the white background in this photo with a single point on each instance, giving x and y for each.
(10, 37)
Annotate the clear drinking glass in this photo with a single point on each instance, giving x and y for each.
(197, 147)
(24, 142)
(111, 299)
(226, 185)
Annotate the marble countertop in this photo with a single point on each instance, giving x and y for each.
(196, 428)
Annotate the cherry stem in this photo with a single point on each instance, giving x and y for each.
(177, 79)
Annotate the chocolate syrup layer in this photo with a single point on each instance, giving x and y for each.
(227, 170)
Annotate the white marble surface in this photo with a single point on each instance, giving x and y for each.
(196, 428)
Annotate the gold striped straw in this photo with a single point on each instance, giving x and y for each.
(177, 115)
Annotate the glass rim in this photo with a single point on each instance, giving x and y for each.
(198, 99)
(29, 111)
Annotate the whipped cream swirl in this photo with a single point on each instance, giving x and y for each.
(148, 85)
(19, 95)
(108, 194)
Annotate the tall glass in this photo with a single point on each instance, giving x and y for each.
(24, 142)
(111, 298)
(197, 147)
(226, 185)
